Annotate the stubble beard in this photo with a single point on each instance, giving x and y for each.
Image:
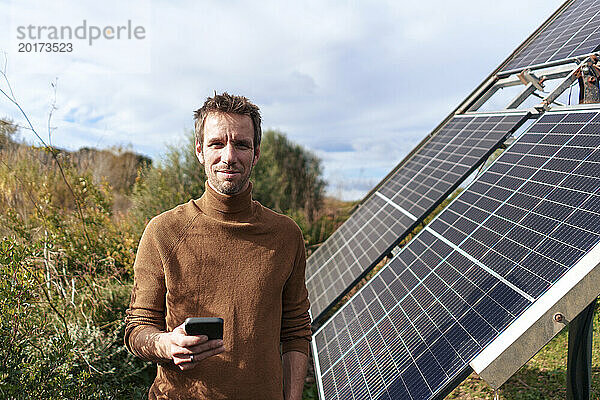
(228, 187)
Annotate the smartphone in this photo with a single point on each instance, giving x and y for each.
(209, 326)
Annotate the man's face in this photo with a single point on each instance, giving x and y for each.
(227, 151)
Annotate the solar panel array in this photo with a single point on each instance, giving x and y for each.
(402, 202)
(575, 32)
(514, 232)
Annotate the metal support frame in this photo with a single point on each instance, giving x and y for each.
(579, 359)
(564, 85)
(545, 74)
(521, 97)
(525, 77)
(483, 94)
(539, 96)
(528, 77)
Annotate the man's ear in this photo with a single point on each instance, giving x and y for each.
(256, 156)
(199, 153)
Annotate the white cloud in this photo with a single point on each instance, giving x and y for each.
(358, 83)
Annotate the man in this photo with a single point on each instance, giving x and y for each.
(223, 255)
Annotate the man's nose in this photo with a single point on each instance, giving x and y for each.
(228, 154)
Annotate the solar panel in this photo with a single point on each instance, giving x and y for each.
(402, 202)
(574, 32)
(530, 218)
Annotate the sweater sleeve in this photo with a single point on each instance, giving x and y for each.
(145, 317)
(295, 321)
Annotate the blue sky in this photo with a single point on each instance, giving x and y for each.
(357, 83)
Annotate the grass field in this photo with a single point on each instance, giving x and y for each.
(543, 377)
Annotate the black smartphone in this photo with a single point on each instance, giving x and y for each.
(209, 326)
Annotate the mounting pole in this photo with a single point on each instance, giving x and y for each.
(587, 76)
(579, 359)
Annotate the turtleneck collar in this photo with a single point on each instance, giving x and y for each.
(236, 207)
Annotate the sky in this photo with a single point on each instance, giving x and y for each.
(357, 83)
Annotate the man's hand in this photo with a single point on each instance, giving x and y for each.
(186, 351)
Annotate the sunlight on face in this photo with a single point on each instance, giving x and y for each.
(227, 151)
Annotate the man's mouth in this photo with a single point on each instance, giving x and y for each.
(228, 173)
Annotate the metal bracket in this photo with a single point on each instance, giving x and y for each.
(526, 77)
(564, 85)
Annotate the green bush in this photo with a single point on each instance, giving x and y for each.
(65, 272)
(47, 350)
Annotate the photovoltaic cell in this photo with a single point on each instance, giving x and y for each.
(499, 246)
(575, 32)
(401, 202)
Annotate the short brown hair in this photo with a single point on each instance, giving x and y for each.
(228, 103)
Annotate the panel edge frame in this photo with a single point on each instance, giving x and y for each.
(574, 291)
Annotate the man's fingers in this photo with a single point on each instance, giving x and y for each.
(208, 353)
(185, 352)
(186, 366)
(189, 341)
(180, 329)
(184, 361)
(188, 346)
(211, 344)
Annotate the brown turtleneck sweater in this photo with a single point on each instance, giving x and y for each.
(229, 257)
